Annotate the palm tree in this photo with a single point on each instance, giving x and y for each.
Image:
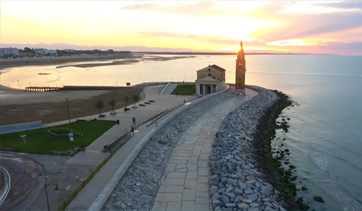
(126, 99)
(112, 103)
(99, 105)
(135, 98)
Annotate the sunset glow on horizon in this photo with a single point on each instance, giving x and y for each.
(323, 27)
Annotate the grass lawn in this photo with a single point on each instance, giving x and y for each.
(39, 141)
(184, 90)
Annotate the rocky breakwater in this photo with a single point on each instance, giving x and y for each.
(138, 187)
(241, 180)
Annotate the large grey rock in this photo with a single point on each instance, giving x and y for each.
(230, 205)
(213, 189)
(230, 195)
(216, 203)
(252, 197)
(254, 205)
(243, 206)
(248, 191)
(225, 199)
(233, 160)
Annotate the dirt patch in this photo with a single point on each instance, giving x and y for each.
(49, 112)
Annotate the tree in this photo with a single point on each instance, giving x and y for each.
(126, 99)
(112, 103)
(99, 105)
(135, 98)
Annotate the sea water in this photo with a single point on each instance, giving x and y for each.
(325, 134)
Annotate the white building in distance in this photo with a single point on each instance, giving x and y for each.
(9, 52)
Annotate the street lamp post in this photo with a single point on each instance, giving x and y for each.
(56, 189)
(68, 109)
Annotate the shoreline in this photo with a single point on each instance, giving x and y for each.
(241, 161)
(42, 61)
(114, 60)
(281, 178)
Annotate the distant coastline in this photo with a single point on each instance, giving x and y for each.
(62, 61)
(221, 53)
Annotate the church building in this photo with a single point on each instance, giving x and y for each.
(210, 79)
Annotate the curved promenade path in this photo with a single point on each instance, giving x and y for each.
(185, 184)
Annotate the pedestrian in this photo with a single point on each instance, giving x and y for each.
(132, 130)
(134, 120)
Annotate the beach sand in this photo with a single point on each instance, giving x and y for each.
(17, 106)
(113, 60)
(19, 62)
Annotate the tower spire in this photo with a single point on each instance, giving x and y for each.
(240, 69)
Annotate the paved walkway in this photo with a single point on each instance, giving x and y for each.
(170, 88)
(90, 192)
(93, 154)
(185, 185)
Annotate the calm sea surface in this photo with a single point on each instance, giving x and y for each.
(325, 135)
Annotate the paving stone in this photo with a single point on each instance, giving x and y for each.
(202, 171)
(202, 194)
(204, 156)
(176, 175)
(193, 159)
(170, 189)
(187, 205)
(174, 181)
(202, 187)
(190, 184)
(159, 206)
(181, 167)
(173, 206)
(178, 161)
(200, 200)
(171, 167)
(202, 179)
(166, 197)
(191, 175)
(191, 167)
(202, 164)
(189, 195)
(202, 207)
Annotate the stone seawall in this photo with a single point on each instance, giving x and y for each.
(138, 187)
(242, 177)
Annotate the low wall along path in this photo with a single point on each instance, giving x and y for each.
(139, 186)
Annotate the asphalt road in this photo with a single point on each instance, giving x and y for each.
(26, 181)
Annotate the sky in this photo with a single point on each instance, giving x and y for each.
(289, 26)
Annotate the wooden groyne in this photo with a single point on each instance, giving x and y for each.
(71, 88)
(42, 89)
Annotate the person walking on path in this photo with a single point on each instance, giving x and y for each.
(132, 130)
(134, 120)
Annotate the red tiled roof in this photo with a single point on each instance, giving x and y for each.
(218, 68)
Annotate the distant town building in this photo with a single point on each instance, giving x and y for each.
(240, 70)
(69, 50)
(210, 79)
(45, 52)
(5, 52)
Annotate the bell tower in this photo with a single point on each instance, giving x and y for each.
(240, 70)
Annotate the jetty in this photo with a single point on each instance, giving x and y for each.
(71, 88)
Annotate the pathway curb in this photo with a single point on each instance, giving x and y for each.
(107, 190)
(7, 185)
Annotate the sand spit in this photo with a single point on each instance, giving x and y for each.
(113, 60)
(125, 61)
